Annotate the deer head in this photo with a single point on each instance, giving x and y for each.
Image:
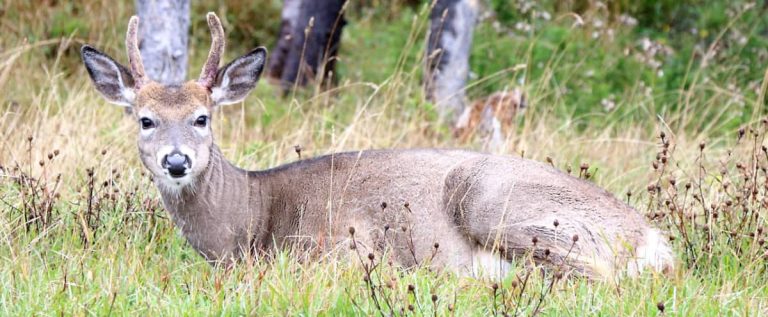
(174, 121)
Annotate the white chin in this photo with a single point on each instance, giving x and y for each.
(174, 184)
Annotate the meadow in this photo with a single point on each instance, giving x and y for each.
(662, 103)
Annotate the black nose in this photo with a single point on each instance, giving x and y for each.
(176, 164)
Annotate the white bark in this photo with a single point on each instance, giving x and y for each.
(448, 47)
(163, 38)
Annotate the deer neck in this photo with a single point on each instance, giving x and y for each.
(220, 213)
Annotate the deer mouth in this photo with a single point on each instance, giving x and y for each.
(176, 173)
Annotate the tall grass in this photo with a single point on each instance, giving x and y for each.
(85, 234)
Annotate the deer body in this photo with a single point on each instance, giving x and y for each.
(464, 201)
(402, 202)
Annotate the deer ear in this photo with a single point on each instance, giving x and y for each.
(111, 79)
(235, 80)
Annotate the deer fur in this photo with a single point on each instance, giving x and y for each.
(399, 201)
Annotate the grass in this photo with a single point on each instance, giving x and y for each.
(98, 243)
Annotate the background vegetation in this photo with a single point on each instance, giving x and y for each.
(83, 232)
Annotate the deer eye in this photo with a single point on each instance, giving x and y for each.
(146, 123)
(201, 121)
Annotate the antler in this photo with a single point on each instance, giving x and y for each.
(134, 56)
(208, 75)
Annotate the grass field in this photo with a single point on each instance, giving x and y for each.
(662, 103)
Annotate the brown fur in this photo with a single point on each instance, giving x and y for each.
(502, 106)
(174, 102)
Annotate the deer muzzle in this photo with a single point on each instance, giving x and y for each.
(177, 164)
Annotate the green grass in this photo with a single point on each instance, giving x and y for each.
(128, 259)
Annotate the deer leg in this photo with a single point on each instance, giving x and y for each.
(521, 221)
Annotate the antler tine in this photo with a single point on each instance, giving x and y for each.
(208, 75)
(134, 56)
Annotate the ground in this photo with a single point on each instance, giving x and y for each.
(661, 103)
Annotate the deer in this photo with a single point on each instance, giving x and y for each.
(479, 208)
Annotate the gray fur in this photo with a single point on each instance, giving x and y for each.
(462, 200)
(400, 202)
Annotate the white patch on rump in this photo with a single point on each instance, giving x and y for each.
(486, 264)
(653, 253)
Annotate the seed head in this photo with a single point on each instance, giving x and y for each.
(702, 145)
(371, 256)
(434, 298)
(575, 238)
(297, 149)
(534, 240)
(660, 306)
(383, 205)
(352, 231)
(495, 286)
(437, 245)
(411, 288)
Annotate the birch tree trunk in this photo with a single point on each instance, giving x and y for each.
(163, 36)
(309, 42)
(447, 58)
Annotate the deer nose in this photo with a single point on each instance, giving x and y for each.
(176, 164)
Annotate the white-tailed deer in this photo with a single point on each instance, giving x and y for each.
(402, 201)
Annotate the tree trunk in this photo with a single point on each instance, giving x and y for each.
(290, 20)
(447, 61)
(163, 38)
(309, 42)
